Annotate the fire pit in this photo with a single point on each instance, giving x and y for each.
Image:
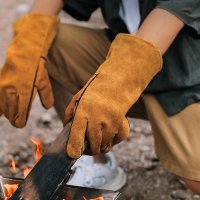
(67, 193)
(47, 180)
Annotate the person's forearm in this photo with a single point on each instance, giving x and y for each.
(51, 7)
(160, 27)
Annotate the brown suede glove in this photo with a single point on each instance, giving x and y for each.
(98, 110)
(24, 74)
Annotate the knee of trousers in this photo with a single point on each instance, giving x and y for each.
(61, 56)
(75, 55)
(63, 43)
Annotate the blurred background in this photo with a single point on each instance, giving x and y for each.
(146, 180)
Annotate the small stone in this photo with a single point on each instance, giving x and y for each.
(6, 159)
(23, 145)
(147, 131)
(24, 156)
(145, 148)
(46, 119)
(196, 196)
(132, 127)
(137, 129)
(181, 194)
(163, 197)
(22, 8)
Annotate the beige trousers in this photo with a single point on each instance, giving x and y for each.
(74, 57)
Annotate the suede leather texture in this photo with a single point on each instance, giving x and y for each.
(24, 73)
(98, 110)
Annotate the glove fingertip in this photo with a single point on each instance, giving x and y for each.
(48, 104)
(75, 144)
(47, 99)
(73, 152)
(19, 123)
(123, 133)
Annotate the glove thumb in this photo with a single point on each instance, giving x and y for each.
(43, 86)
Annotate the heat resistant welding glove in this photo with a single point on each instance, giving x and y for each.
(24, 73)
(98, 110)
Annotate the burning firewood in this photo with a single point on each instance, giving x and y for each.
(13, 165)
(98, 198)
(11, 188)
(47, 180)
(68, 192)
(39, 148)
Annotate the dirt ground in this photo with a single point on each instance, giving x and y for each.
(146, 180)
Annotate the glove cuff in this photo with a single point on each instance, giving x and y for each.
(131, 64)
(137, 45)
(40, 28)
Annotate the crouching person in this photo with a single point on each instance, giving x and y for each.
(145, 65)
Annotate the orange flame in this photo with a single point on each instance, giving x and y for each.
(39, 148)
(98, 198)
(10, 189)
(13, 165)
(38, 154)
(26, 171)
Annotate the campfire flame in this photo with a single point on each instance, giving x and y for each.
(13, 165)
(98, 198)
(26, 171)
(11, 188)
(39, 148)
(38, 154)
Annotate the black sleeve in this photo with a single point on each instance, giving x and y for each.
(80, 9)
(186, 10)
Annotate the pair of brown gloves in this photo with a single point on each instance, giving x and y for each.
(98, 110)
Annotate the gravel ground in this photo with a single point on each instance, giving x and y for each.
(146, 180)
